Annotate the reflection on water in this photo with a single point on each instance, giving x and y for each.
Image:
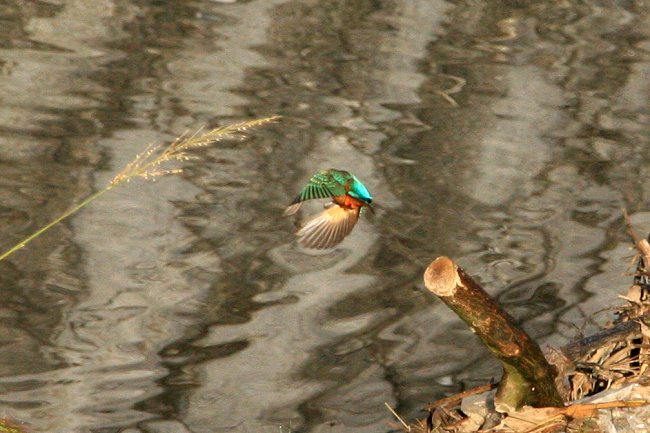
(505, 136)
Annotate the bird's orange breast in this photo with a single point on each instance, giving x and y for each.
(348, 201)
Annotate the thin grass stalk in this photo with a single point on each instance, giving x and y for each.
(45, 228)
(149, 164)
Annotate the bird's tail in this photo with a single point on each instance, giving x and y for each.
(292, 209)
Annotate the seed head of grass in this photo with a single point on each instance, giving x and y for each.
(151, 163)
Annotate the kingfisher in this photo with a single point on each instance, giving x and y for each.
(328, 228)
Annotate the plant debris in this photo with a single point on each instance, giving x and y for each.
(604, 379)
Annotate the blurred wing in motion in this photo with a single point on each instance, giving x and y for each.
(328, 228)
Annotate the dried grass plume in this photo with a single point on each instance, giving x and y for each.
(153, 162)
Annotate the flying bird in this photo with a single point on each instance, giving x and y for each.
(328, 228)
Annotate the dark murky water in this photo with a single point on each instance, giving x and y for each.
(507, 135)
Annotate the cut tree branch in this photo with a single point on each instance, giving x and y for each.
(528, 378)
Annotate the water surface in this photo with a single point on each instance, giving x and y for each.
(507, 136)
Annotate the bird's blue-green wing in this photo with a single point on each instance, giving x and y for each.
(323, 184)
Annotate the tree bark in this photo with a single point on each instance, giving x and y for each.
(528, 378)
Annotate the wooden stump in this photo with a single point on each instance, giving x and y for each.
(528, 379)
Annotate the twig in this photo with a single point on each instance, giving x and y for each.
(457, 87)
(443, 402)
(641, 244)
(399, 418)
